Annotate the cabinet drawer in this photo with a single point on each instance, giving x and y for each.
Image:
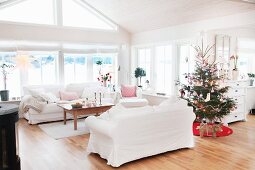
(238, 99)
(236, 91)
(233, 117)
(238, 83)
(239, 108)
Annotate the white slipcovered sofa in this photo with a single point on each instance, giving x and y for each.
(125, 134)
(44, 111)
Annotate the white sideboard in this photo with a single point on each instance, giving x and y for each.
(237, 91)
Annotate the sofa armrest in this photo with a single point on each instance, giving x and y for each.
(99, 125)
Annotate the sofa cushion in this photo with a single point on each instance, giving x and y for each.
(171, 106)
(54, 89)
(79, 87)
(49, 97)
(128, 91)
(89, 92)
(65, 95)
(119, 110)
(36, 93)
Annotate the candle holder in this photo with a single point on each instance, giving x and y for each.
(100, 98)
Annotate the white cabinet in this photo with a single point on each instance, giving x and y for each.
(237, 91)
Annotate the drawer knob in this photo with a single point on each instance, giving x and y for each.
(236, 90)
(237, 84)
(235, 116)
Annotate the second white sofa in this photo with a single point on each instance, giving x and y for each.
(126, 134)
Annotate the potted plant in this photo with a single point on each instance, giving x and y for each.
(5, 69)
(252, 77)
(235, 72)
(139, 73)
(99, 63)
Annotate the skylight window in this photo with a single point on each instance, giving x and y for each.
(71, 13)
(29, 11)
(78, 14)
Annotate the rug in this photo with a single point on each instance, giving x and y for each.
(58, 130)
(225, 131)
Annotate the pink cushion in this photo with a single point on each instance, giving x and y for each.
(68, 95)
(128, 91)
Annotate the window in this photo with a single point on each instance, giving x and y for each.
(186, 61)
(164, 69)
(29, 11)
(144, 61)
(246, 55)
(74, 13)
(42, 68)
(75, 66)
(13, 78)
(79, 14)
(108, 66)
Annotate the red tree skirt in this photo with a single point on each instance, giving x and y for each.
(225, 131)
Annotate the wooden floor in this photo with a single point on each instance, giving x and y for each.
(237, 151)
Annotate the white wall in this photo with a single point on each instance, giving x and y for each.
(247, 32)
(56, 34)
(192, 30)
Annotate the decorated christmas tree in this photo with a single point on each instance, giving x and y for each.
(205, 90)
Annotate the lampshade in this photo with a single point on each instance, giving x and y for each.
(22, 60)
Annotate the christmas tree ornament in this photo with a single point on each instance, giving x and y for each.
(208, 97)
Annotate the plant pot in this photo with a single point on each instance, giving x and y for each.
(235, 74)
(4, 95)
(251, 82)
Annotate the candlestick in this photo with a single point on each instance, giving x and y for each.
(100, 99)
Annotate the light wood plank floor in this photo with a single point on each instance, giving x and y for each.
(40, 152)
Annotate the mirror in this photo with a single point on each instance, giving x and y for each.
(222, 47)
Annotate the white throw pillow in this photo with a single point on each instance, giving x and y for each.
(36, 93)
(49, 97)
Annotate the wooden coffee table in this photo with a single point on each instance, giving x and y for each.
(84, 111)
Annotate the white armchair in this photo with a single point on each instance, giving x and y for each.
(134, 101)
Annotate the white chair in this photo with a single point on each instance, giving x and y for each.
(136, 101)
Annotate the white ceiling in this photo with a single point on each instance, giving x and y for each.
(143, 15)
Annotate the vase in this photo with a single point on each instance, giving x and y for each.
(104, 83)
(235, 74)
(251, 82)
(4, 95)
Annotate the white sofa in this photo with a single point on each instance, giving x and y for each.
(126, 134)
(50, 111)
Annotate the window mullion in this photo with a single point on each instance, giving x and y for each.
(59, 12)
